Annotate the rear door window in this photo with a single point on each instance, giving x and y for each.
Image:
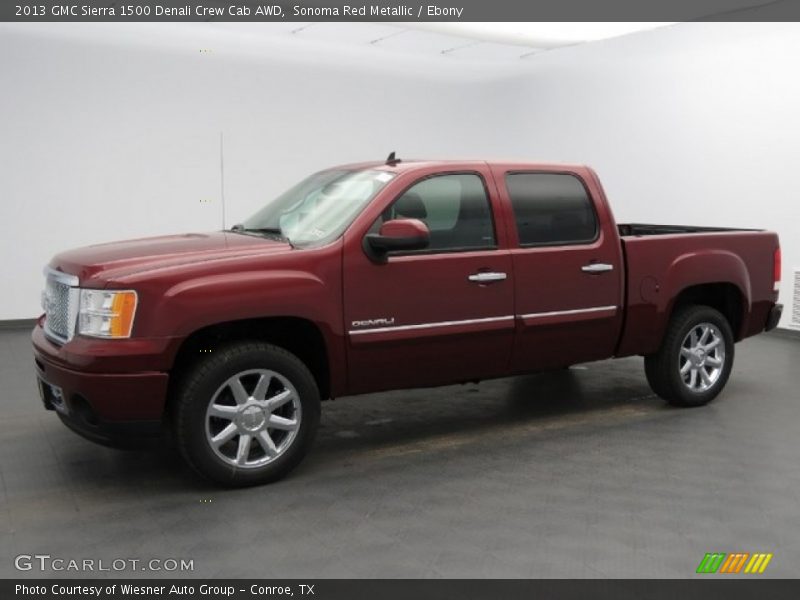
(551, 209)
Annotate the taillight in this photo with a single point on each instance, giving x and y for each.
(776, 270)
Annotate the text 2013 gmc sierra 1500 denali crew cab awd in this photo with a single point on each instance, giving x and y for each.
(383, 276)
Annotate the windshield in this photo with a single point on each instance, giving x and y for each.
(319, 208)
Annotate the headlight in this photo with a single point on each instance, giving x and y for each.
(106, 313)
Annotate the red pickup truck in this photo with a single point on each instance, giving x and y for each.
(380, 276)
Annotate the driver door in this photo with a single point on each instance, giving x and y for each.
(439, 315)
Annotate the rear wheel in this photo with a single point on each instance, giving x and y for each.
(695, 359)
(247, 415)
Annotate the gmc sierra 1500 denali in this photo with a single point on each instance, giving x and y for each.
(382, 276)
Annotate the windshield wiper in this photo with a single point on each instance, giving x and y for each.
(267, 231)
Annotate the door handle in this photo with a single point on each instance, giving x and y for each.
(487, 277)
(597, 268)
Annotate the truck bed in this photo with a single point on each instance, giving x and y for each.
(664, 260)
(643, 229)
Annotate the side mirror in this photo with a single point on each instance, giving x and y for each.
(398, 234)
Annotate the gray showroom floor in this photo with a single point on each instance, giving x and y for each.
(580, 473)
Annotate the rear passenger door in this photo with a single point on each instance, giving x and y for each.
(440, 315)
(567, 268)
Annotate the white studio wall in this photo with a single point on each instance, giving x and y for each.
(113, 132)
(695, 124)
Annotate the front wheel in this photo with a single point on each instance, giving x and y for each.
(695, 359)
(247, 414)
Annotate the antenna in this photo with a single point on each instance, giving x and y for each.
(222, 178)
(391, 160)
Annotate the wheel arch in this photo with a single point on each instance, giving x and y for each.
(725, 297)
(300, 336)
(716, 278)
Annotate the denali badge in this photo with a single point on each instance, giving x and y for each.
(373, 322)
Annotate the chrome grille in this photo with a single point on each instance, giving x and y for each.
(60, 303)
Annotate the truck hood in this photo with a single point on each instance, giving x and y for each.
(116, 260)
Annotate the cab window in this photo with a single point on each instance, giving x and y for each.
(455, 207)
(551, 209)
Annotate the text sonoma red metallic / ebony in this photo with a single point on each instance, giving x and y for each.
(383, 276)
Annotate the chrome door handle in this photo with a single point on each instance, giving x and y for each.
(597, 268)
(487, 277)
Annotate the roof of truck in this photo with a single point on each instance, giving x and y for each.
(403, 164)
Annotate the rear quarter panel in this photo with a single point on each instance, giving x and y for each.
(661, 267)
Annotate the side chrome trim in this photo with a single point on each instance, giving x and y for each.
(479, 321)
(431, 325)
(576, 311)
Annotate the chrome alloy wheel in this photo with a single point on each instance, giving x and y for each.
(702, 357)
(253, 418)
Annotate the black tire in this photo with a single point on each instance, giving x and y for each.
(208, 381)
(663, 369)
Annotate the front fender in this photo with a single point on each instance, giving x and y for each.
(207, 300)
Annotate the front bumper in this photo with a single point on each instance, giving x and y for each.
(102, 406)
(773, 317)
